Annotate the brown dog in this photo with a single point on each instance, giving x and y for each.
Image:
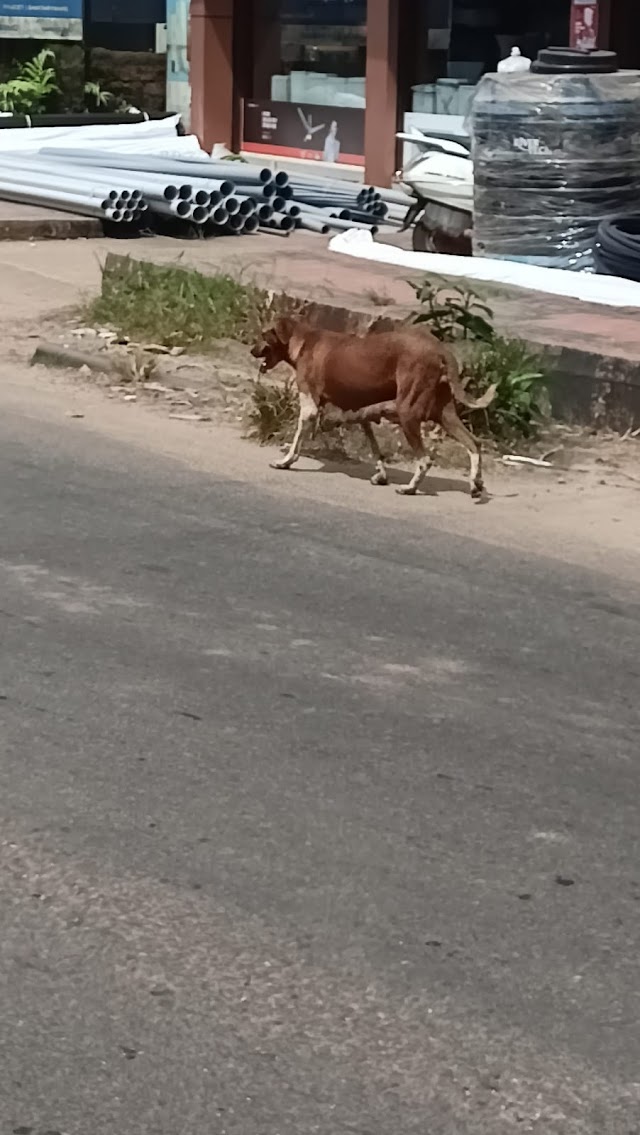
(404, 376)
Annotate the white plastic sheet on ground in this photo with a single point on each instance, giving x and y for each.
(156, 136)
(608, 290)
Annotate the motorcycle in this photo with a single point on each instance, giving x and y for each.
(440, 177)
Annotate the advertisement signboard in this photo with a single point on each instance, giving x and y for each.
(331, 134)
(47, 19)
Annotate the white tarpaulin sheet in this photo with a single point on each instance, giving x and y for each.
(609, 290)
(156, 136)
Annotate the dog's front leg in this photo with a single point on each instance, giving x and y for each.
(307, 416)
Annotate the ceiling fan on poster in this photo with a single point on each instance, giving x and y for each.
(308, 126)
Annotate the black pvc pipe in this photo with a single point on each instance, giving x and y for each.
(21, 121)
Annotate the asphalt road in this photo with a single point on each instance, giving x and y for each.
(309, 824)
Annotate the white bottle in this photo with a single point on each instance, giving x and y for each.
(514, 63)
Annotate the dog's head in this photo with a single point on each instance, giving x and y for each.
(278, 345)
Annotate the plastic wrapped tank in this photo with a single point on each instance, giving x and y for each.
(553, 154)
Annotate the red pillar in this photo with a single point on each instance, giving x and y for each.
(381, 119)
(211, 71)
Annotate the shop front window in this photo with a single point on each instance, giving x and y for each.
(466, 38)
(311, 51)
(309, 67)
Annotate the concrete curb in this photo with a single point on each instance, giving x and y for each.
(56, 356)
(50, 228)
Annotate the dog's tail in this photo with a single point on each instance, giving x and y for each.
(458, 390)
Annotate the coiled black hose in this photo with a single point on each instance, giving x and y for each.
(617, 251)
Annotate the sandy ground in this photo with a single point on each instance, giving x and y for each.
(584, 511)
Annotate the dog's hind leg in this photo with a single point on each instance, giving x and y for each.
(456, 429)
(380, 476)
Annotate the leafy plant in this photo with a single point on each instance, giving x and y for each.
(95, 92)
(29, 91)
(452, 312)
(459, 314)
(101, 98)
(521, 400)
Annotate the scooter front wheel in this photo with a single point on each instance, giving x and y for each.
(422, 239)
(426, 239)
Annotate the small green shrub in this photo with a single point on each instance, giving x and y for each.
(273, 410)
(96, 98)
(31, 89)
(455, 313)
(521, 402)
(452, 312)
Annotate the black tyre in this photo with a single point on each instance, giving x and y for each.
(421, 239)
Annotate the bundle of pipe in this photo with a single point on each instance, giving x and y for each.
(227, 196)
(271, 191)
(178, 200)
(205, 199)
(90, 196)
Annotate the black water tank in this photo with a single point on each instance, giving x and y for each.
(555, 152)
(572, 61)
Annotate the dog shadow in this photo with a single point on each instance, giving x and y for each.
(432, 486)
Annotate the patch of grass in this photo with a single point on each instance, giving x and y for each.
(273, 410)
(175, 306)
(170, 305)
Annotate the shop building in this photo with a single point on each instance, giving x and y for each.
(333, 80)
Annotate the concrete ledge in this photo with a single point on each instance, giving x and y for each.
(593, 389)
(55, 355)
(30, 222)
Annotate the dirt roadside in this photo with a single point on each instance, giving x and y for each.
(583, 511)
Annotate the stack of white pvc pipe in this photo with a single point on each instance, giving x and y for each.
(251, 196)
(223, 196)
(92, 194)
(172, 188)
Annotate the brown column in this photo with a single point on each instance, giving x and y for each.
(604, 23)
(381, 119)
(624, 31)
(243, 65)
(267, 52)
(211, 71)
